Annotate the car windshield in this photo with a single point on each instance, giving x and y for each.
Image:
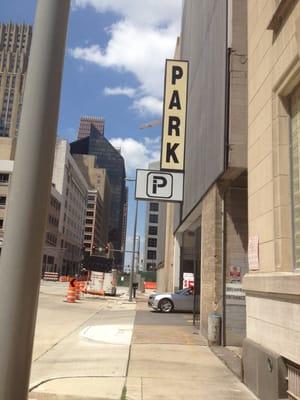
(182, 291)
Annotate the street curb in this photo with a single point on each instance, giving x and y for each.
(52, 396)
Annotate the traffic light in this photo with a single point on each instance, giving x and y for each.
(106, 249)
(94, 249)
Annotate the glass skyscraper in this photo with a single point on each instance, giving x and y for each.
(109, 158)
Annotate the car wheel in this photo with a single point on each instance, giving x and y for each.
(166, 305)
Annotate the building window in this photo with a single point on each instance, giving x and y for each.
(152, 242)
(151, 255)
(89, 221)
(87, 237)
(150, 266)
(295, 171)
(153, 218)
(88, 229)
(152, 230)
(1, 223)
(4, 178)
(2, 201)
(90, 205)
(154, 206)
(90, 197)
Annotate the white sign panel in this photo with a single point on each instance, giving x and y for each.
(159, 185)
(253, 253)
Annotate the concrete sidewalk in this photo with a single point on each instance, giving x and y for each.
(170, 360)
(167, 359)
(81, 350)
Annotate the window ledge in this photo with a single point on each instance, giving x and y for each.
(279, 283)
(280, 13)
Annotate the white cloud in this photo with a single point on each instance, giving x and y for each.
(148, 105)
(119, 91)
(137, 154)
(145, 59)
(150, 12)
(139, 42)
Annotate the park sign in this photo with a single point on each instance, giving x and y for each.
(159, 185)
(174, 116)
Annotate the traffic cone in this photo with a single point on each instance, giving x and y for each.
(71, 295)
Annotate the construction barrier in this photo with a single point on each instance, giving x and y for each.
(71, 294)
(95, 293)
(51, 276)
(150, 285)
(77, 290)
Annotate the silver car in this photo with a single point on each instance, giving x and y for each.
(182, 300)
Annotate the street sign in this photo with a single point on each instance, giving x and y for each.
(159, 185)
(174, 118)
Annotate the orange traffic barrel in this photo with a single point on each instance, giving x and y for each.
(77, 290)
(71, 295)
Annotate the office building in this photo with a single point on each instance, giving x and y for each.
(155, 226)
(271, 353)
(6, 169)
(210, 228)
(72, 186)
(93, 238)
(109, 158)
(97, 179)
(15, 41)
(88, 125)
(52, 250)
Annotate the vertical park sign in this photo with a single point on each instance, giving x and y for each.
(174, 116)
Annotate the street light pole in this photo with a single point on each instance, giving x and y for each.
(29, 198)
(133, 251)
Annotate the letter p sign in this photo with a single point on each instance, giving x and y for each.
(159, 185)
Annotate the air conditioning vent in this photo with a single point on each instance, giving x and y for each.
(293, 382)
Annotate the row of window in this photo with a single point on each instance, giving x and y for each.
(4, 178)
(152, 242)
(2, 201)
(151, 255)
(54, 203)
(152, 230)
(51, 238)
(153, 218)
(52, 220)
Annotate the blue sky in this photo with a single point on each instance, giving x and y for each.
(114, 63)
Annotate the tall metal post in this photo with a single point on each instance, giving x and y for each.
(29, 197)
(133, 251)
(137, 266)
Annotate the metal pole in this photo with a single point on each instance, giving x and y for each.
(29, 197)
(133, 251)
(138, 255)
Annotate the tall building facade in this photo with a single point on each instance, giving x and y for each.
(93, 230)
(88, 125)
(209, 229)
(109, 158)
(271, 350)
(97, 179)
(15, 41)
(52, 250)
(73, 188)
(155, 226)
